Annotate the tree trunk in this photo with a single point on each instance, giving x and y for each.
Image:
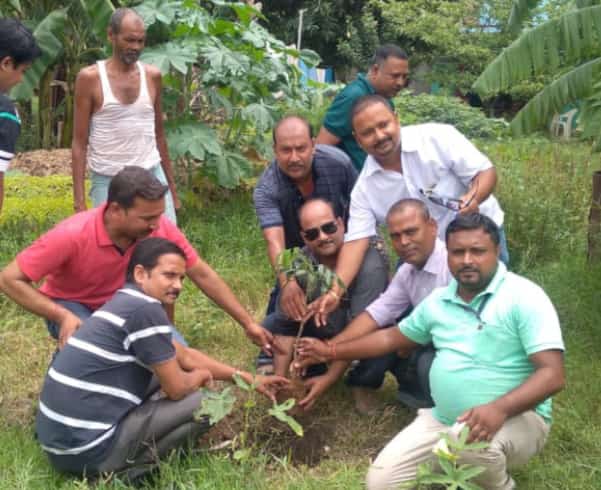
(45, 109)
(594, 220)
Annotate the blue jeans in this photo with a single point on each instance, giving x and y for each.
(83, 313)
(100, 187)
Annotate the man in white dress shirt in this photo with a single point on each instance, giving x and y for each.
(431, 162)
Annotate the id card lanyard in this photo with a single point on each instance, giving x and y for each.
(477, 312)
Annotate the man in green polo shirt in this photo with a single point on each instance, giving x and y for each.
(499, 358)
(386, 77)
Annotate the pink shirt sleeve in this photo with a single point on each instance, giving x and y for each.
(47, 254)
(171, 232)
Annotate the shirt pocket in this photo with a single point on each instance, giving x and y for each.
(496, 343)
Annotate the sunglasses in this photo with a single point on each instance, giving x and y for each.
(312, 234)
(448, 202)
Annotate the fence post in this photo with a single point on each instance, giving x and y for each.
(594, 220)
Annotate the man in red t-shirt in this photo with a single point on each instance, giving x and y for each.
(83, 259)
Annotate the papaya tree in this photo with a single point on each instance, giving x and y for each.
(568, 47)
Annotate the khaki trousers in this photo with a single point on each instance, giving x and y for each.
(520, 438)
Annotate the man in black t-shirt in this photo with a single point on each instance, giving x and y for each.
(18, 49)
(100, 409)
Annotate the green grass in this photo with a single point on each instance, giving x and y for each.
(545, 191)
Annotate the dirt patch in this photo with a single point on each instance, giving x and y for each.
(41, 163)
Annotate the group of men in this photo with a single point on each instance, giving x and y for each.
(468, 341)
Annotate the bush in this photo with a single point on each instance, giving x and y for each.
(471, 121)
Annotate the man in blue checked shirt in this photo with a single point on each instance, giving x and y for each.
(18, 49)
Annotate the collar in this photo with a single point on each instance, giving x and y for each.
(450, 293)
(362, 77)
(439, 253)
(409, 144)
(102, 237)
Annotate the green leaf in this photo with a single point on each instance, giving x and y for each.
(99, 14)
(153, 11)
(176, 54)
(230, 168)
(287, 419)
(216, 405)
(520, 11)
(309, 57)
(48, 34)
(258, 114)
(241, 383)
(242, 454)
(194, 139)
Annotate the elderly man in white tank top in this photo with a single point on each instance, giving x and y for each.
(118, 117)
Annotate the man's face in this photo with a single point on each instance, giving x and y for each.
(128, 43)
(294, 150)
(11, 74)
(473, 259)
(377, 130)
(164, 281)
(141, 219)
(412, 236)
(390, 77)
(322, 232)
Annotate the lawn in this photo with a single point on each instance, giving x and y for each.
(545, 191)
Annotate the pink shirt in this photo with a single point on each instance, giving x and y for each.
(80, 262)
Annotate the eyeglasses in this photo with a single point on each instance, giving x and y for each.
(448, 202)
(313, 233)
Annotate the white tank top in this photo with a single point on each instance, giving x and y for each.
(122, 134)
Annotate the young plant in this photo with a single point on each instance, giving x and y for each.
(454, 476)
(218, 405)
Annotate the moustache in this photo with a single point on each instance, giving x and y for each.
(382, 142)
(325, 242)
(468, 269)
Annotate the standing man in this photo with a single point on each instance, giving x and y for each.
(387, 75)
(300, 171)
(499, 359)
(413, 234)
(83, 260)
(118, 117)
(100, 408)
(18, 49)
(431, 162)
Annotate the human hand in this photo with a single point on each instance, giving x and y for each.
(204, 378)
(484, 421)
(176, 202)
(316, 386)
(293, 301)
(80, 206)
(323, 306)
(68, 324)
(469, 203)
(314, 349)
(261, 337)
(270, 385)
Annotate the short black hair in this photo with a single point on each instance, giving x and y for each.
(408, 203)
(17, 42)
(288, 118)
(328, 203)
(473, 221)
(366, 101)
(148, 252)
(132, 182)
(118, 16)
(388, 51)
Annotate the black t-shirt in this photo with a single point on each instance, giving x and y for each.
(10, 127)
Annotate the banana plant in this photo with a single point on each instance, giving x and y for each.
(569, 46)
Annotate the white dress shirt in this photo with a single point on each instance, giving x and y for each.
(434, 157)
(410, 286)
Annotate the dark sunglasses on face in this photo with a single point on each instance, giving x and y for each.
(313, 233)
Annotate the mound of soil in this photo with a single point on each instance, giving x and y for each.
(43, 162)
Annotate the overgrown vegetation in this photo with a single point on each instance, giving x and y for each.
(544, 190)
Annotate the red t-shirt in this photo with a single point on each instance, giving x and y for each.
(80, 262)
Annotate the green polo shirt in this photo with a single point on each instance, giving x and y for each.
(481, 357)
(338, 121)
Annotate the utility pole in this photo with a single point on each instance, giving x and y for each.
(299, 36)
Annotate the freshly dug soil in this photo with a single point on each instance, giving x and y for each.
(43, 162)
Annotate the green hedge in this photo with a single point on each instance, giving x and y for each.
(471, 121)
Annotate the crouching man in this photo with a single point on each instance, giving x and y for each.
(98, 410)
(499, 358)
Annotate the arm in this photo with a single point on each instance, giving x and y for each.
(176, 382)
(159, 129)
(81, 126)
(17, 286)
(325, 137)
(548, 378)
(209, 282)
(480, 188)
(292, 297)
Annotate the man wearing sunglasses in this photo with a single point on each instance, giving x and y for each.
(431, 162)
(323, 234)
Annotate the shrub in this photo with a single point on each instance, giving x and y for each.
(471, 121)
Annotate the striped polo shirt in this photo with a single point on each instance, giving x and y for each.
(101, 374)
(10, 127)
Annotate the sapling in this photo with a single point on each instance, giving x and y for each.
(315, 280)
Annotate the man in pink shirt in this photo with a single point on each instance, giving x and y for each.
(83, 259)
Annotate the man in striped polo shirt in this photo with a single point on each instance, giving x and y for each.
(18, 49)
(98, 410)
